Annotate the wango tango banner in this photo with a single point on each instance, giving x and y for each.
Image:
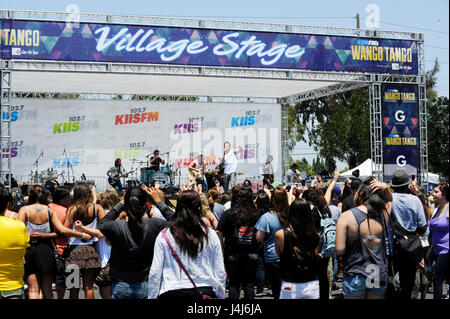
(401, 140)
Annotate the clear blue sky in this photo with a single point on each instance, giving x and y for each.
(429, 17)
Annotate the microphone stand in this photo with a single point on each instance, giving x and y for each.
(36, 163)
(67, 165)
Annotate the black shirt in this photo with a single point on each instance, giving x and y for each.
(156, 163)
(233, 243)
(130, 261)
(291, 269)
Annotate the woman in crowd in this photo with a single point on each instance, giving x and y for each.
(214, 200)
(60, 204)
(237, 227)
(107, 200)
(210, 218)
(267, 226)
(132, 243)
(439, 232)
(360, 239)
(262, 202)
(198, 250)
(84, 215)
(42, 222)
(298, 249)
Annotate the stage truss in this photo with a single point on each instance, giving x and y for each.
(342, 81)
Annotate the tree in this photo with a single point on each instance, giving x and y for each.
(340, 127)
(438, 136)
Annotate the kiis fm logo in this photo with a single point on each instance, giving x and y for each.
(67, 127)
(136, 118)
(185, 128)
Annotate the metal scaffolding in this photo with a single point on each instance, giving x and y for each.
(5, 123)
(342, 81)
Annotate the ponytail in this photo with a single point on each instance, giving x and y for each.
(135, 206)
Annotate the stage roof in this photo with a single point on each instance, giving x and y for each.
(151, 84)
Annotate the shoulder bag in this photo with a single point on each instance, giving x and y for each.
(202, 296)
(60, 261)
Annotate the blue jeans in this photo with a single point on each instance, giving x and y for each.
(260, 275)
(129, 290)
(355, 286)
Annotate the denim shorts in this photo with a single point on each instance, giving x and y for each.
(130, 290)
(355, 286)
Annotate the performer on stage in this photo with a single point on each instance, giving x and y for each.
(115, 173)
(268, 169)
(155, 161)
(230, 161)
(292, 175)
(196, 171)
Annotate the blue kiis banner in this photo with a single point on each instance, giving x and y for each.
(401, 139)
(60, 41)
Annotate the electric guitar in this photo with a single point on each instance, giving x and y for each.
(115, 179)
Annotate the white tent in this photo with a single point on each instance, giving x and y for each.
(365, 169)
(433, 178)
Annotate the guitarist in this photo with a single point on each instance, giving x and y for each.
(115, 173)
(196, 171)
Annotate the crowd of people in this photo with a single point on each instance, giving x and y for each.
(298, 241)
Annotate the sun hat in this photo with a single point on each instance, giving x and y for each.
(400, 178)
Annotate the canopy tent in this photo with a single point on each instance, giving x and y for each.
(365, 169)
(433, 178)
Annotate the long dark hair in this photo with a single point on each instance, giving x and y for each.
(37, 195)
(319, 201)
(82, 199)
(135, 206)
(187, 225)
(246, 212)
(305, 239)
(280, 204)
(262, 202)
(375, 202)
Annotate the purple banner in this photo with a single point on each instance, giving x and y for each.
(401, 139)
(59, 41)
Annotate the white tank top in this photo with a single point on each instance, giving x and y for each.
(93, 225)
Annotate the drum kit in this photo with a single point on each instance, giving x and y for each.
(164, 177)
(45, 175)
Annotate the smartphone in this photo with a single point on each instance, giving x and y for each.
(303, 182)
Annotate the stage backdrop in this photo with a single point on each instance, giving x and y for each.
(401, 140)
(90, 134)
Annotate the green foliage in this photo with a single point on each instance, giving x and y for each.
(340, 127)
(438, 136)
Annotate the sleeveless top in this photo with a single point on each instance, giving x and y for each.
(93, 225)
(38, 228)
(291, 269)
(440, 232)
(359, 257)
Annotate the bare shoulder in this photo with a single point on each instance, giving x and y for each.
(279, 234)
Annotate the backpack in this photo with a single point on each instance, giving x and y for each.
(327, 235)
(17, 199)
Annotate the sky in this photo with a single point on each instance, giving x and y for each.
(428, 17)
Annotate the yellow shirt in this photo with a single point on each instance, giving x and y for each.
(14, 240)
